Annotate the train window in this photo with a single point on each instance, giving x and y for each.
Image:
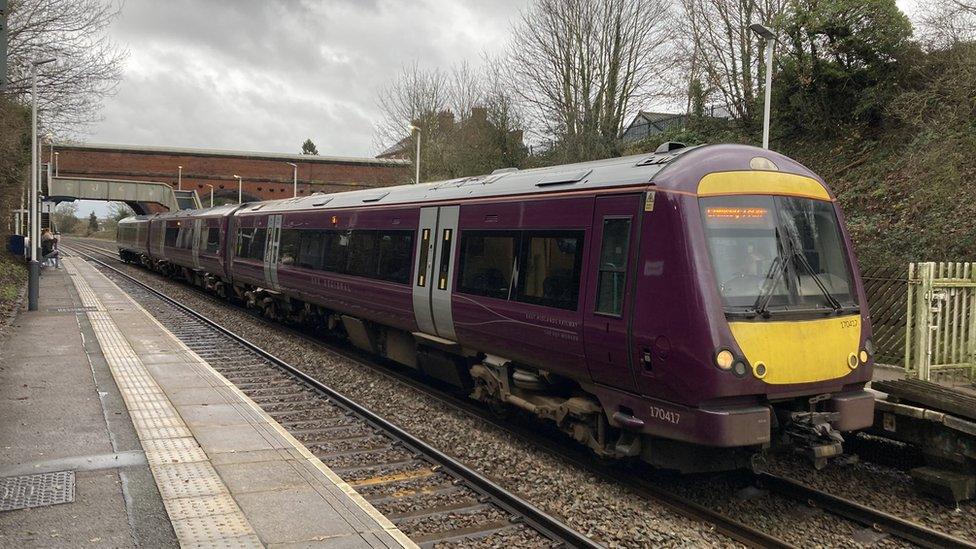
(311, 244)
(213, 240)
(257, 244)
(613, 266)
(362, 254)
(336, 250)
(185, 238)
(288, 245)
(424, 256)
(487, 263)
(170, 236)
(552, 263)
(244, 237)
(445, 259)
(395, 256)
(250, 243)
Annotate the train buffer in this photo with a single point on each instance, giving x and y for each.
(113, 433)
(941, 422)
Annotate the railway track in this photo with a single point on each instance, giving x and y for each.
(554, 442)
(431, 497)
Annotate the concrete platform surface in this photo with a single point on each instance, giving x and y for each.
(165, 450)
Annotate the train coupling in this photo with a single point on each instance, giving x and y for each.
(811, 433)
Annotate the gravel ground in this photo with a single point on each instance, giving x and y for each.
(883, 488)
(605, 511)
(806, 526)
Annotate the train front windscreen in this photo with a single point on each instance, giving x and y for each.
(777, 254)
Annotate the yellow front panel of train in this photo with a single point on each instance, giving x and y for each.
(801, 351)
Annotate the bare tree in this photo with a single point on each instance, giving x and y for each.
(89, 64)
(415, 96)
(581, 66)
(117, 211)
(467, 120)
(727, 57)
(943, 23)
(465, 89)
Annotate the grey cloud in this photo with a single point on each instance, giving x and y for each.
(266, 75)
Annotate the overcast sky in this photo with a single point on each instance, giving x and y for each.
(264, 75)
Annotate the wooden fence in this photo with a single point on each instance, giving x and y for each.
(887, 292)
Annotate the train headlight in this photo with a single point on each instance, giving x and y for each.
(852, 361)
(724, 359)
(739, 368)
(864, 357)
(759, 370)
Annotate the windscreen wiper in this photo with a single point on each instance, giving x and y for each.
(766, 293)
(816, 278)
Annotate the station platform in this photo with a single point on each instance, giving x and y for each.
(115, 434)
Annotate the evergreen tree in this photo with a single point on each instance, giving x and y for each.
(92, 223)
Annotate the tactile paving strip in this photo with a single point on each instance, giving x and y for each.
(185, 508)
(38, 490)
(173, 450)
(199, 505)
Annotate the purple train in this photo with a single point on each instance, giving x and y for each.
(692, 307)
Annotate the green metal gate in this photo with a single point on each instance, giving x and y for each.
(940, 331)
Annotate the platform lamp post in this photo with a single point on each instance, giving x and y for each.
(294, 190)
(34, 277)
(240, 182)
(211, 194)
(56, 163)
(416, 158)
(179, 178)
(770, 42)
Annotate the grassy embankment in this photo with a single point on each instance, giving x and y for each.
(14, 153)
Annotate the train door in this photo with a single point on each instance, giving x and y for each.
(437, 238)
(161, 238)
(198, 230)
(609, 295)
(271, 247)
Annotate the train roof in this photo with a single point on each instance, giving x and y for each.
(612, 172)
(668, 168)
(136, 219)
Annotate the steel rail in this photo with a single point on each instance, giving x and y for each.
(536, 518)
(580, 457)
(868, 516)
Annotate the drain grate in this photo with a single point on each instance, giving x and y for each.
(37, 490)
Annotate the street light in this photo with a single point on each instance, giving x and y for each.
(56, 164)
(35, 230)
(295, 182)
(179, 179)
(240, 182)
(211, 194)
(770, 42)
(417, 158)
